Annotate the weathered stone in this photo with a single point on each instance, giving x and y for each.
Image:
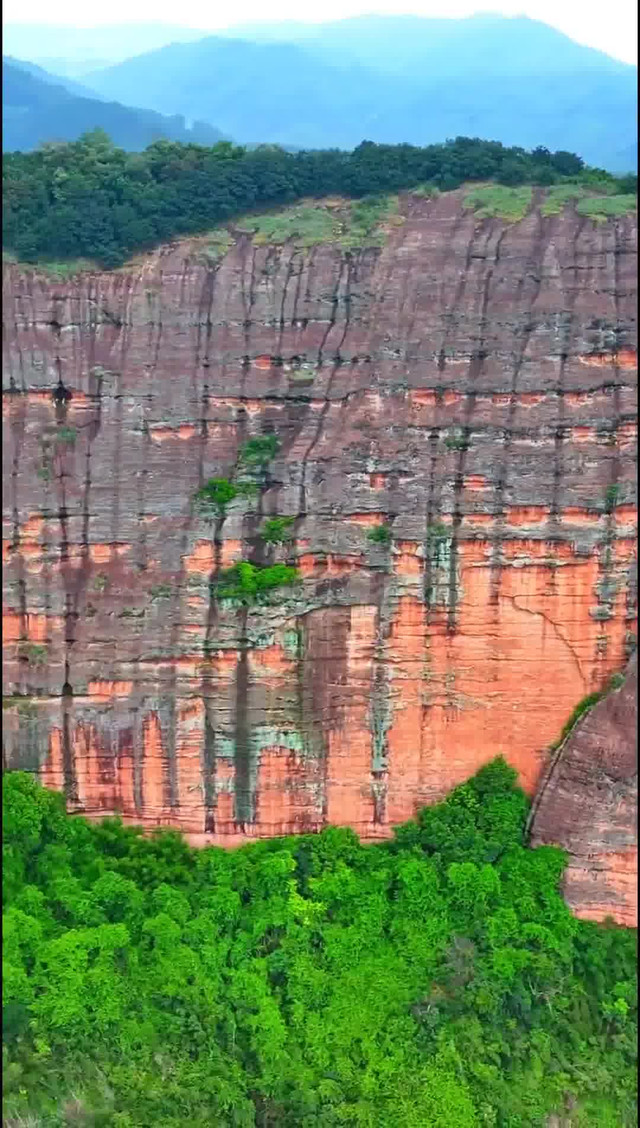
(474, 387)
(587, 803)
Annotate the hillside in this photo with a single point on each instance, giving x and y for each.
(35, 110)
(308, 981)
(394, 80)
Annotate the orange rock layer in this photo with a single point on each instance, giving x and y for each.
(471, 385)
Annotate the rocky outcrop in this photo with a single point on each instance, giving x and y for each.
(471, 384)
(588, 804)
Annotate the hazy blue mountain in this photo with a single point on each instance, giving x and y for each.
(71, 68)
(35, 111)
(265, 92)
(55, 47)
(418, 48)
(52, 79)
(391, 79)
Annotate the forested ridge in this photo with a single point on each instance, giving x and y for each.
(91, 200)
(437, 980)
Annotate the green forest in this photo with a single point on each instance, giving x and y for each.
(90, 200)
(436, 980)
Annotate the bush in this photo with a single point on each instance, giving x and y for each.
(260, 451)
(380, 534)
(276, 530)
(216, 494)
(510, 204)
(249, 583)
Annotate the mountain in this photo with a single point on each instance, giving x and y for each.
(52, 79)
(410, 46)
(389, 79)
(57, 47)
(314, 105)
(35, 110)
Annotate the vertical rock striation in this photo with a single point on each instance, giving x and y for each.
(471, 384)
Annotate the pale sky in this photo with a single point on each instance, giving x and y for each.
(610, 26)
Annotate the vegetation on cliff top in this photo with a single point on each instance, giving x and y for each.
(89, 200)
(433, 981)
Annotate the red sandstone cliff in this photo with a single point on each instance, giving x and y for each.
(588, 804)
(470, 377)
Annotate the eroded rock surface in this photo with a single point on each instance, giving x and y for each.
(588, 804)
(471, 383)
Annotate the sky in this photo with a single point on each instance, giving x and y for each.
(610, 26)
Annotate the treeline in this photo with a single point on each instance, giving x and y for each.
(437, 980)
(89, 199)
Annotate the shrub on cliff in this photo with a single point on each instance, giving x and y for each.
(380, 534)
(260, 450)
(435, 981)
(215, 495)
(277, 530)
(250, 583)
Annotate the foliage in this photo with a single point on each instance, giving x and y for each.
(601, 208)
(90, 200)
(249, 583)
(595, 198)
(427, 191)
(612, 496)
(276, 530)
(213, 246)
(438, 531)
(34, 653)
(348, 225)
(379, 534)
(434, 981)
(216, 494)
(367, 220)
(559, 195)
(305, 225)
(502, 202)
(246, 489)
(65, 270)
(66, 435)
(260, 451)
(457, 440)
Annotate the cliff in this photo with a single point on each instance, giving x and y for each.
(469, 383)
(588, 803)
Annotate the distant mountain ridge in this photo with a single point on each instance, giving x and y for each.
(52, 79)
(46, 43)
(405, 45)
(38, 107)
(392, 80)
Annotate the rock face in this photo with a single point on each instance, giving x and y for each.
(471, 384)
(588, 804)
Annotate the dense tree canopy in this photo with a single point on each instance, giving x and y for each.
(434, 981)
(91, 200)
